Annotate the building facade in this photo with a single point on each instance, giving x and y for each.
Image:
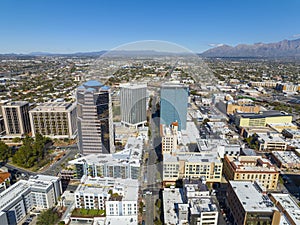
(94, 118)
(174, 104)
(16, 118)
(133, 99)
(54, 120)
(168, 137)
(251, 168)
(192, 165)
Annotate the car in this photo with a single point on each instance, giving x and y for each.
(148, 193)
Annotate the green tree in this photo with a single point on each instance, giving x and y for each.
(48, 217)
(4, 151)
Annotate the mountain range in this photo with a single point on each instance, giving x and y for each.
(281, 49)
(285, 48)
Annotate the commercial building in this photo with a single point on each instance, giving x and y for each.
(286, 159)
(173, 104)
(192, 165)
(16, 118)
(287, 87)
(267, 142)
(133, 99)
(261, 119)
(287, 206)
(251, 168)
(94, 117)
(248, 204)
(169, 137)
(40, 192)
(123, 164)
(54, 120)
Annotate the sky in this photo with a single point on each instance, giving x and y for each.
(66, 26)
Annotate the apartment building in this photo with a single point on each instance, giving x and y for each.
(251, 168)
(123, 164)
(54, 120)
(16, 118)
(40, 191)
(192, 165)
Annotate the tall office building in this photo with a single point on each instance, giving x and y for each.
(94, 118)
(133, 104)
(16, 118)
(173, 104)
(54, 119)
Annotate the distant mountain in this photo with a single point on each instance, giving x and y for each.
(285, 48)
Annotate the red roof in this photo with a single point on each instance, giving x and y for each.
(4, 176)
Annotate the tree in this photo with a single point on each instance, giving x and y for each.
(48, 217)
(4, 151)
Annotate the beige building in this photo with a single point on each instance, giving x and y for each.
(54, 120)
(268, 142)
(261, 119)
(168, 138)
(192, 165)
(242, 105)
(251, 168)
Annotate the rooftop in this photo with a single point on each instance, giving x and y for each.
(251, 197)
(53, 106)
(263, 114)
(193, 157)
(286, 157)
(289, 205)
(171, 196)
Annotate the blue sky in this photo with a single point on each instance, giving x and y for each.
(71, 25)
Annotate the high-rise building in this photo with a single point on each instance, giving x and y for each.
(168, 138)
(55, 120)
(16, 118)
(94, 118)
(133, 99)
(173, 104)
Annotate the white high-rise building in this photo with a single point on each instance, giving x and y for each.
(133, 99)
(94, 118)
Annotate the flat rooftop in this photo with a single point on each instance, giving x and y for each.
(263, 114)
(290, 206)
(193, 157)
(251, 197)
(53, 107)
(171, 196)
(286, 157)
(202, 204)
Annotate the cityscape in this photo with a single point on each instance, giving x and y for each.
(152, 131)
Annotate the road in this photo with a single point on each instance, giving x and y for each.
(153, 168)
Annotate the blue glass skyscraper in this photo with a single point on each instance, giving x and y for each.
(173, 104)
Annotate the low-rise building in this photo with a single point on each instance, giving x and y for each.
(242, 105)
(286, 159)
(54, 120)
(287, 206)
(220, 146)
(251, 168)
(261, 119)
(248, 204)
(267, 142)
(117, 197)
